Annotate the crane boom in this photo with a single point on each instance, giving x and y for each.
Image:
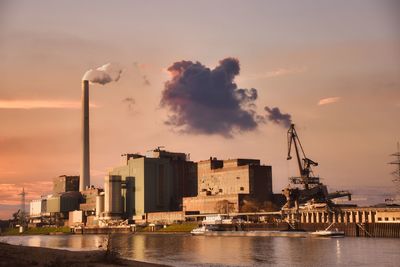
(305, 164)
(314, 191)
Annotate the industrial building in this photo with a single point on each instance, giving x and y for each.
(234, 185)
(54, 209)
(153, 183)
(65, 183)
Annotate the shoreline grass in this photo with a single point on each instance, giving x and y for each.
(37, 231)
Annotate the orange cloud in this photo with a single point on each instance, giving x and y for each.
(283, 71)
(329, 100)
(9, 192)
(273, 73)
(40, 104)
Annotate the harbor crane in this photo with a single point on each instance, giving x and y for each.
(312, 189)
(305, 164)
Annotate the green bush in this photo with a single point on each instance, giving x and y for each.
(184, 227)
(37, 231)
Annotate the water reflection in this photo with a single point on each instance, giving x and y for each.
(338, 251)
(186, 250)
(34, 241)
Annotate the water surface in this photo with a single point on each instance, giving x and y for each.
(187, 250)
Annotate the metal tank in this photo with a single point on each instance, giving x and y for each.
(129, 197)
(112, 196)
(100, 204)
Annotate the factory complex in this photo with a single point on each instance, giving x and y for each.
(148, 188)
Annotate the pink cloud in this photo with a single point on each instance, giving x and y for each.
(273, 73)
(34, 190)
(40, 104)
(327, 101)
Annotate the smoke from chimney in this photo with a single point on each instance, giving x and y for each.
(107, 73)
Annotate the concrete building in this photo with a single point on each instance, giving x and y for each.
(387, 216)
(113, 201)
(234, 185)
(88, 204)
(65, 183)
(153, 183)
(63, 203)
(37, 207)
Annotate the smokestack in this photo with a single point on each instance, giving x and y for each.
(84, 180)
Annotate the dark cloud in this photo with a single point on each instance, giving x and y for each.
(276, 116)
(146, 81)
(129, 101)
(144, 77)
(207, 101)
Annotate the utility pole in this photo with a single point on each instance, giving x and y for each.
(23, 212)
(396, 173)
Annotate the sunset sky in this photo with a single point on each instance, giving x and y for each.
(333, 66)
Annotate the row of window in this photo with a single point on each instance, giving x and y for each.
(387, 219)
(220, 190)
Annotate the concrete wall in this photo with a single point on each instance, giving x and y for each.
(75, 218)
(53, 204)
(151, 180)
(165, 217)
(134, 168)
(65, 183)
(211, 204)
(387, 217)
(158, 184)
(348, 215)
(63, 203)
(231, 180)
(35, 208)
(238, 176)
(112, 195)
(89, 198)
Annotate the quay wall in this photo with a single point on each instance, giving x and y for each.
(358, 229)
(391, 230)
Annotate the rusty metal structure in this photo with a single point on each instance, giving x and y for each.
(306, 188)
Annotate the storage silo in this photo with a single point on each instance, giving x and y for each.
(112, 196)
(130, 196)
(100, 204)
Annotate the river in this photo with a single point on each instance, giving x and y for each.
(187, 250)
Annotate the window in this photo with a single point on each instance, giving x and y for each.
(379, 219)
(386, 218)
(241, 188)
(238, 177)
(220, 190)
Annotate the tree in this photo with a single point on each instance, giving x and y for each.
(224, 206)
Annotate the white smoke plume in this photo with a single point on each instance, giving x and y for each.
(107, 73)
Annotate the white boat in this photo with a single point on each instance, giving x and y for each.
(199, 231)
(204, 229)
(328, 233)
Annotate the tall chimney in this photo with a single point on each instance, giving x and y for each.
(84, 180)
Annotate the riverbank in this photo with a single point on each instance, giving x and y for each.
(13, 255)
(172, 228)
(37, 231)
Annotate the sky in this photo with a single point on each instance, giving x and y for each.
(332, 67)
